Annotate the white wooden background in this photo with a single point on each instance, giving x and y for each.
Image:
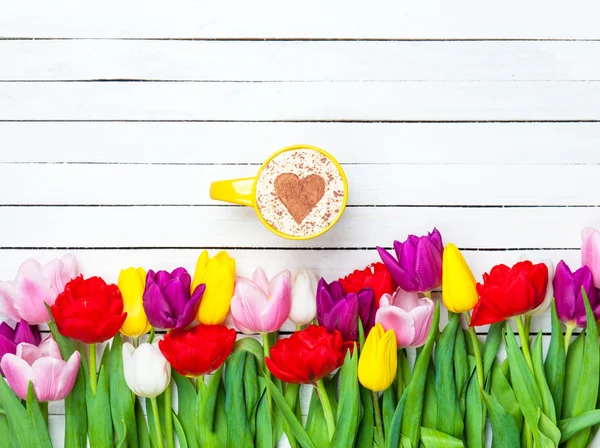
(480, 118)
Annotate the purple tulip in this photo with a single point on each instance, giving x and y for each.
(167, 299)
(418, 267)
(568, 296)
(337, 310)
(9, 338)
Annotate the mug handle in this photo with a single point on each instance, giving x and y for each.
(237, 191)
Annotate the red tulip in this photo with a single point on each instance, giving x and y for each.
(507, 292)
(89, 310)
(307, 355)
(374, 276)
(198, 351)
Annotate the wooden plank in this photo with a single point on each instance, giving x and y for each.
(404, 101)
(412, 143)
(377, 184)
(299, 61)
(493, 228)
(309, 19)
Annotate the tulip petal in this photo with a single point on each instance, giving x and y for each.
(47, 373)
(69, 376)
(50, 348)
(191, 307)
(29, 352)
(590, 252)
(127, 353)
(422, 316)
(200, 271)
(260, 278)
(403, 324)
(246, 305)
(18, 374)
(157, 309)
(279, 303)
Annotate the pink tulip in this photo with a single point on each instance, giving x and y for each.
(260, 305)
(43, 366)
(35, 285)
(590, 252)
(408, 315)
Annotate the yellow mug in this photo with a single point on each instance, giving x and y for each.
(299, 192)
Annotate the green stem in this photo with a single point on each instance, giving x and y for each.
(568, 335)
(168, 408)
(44, 409)
(378, 420)
(527, 324)
(136, 341)
(524, 337)
(93, 373)
(267, 352)
(399, 378)
(427, 294)
(298, 327)
(151, 337)
(322, 392)
(476, 352)
(159, 439)
(199, 382)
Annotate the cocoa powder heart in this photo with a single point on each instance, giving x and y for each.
(299, 196)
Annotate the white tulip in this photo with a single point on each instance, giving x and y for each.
(304, 297)
(147, 372)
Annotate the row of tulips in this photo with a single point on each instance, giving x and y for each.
(353, 341)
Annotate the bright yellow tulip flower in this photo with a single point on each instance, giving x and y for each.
(132, 282)
(459, 292)
(218, 274)
(378, 359)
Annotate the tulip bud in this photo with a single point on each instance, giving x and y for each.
(590, 252)
(218, 274)
(131, 283)
(304, 293)
(459, 292)
(378, 360)
(543, 307)
(147, 372)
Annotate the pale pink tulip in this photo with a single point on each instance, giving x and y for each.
(36, 285)
(590, 252)
(408, 315)
(260, 305)
(43, 366)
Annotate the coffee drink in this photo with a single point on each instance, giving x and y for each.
(300, 192)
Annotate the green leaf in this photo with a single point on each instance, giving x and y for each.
(461, 370)
(289, 416)
(4, 431)
(449, 415)
(121, 398)
(252, 346)
(187, 406)
(549, 432)
(554, 366)
(430, 410)
(17, 416)
(122, 442)
(571, 426)
(506, 433)
(347, 424)
(572, 374)
(38, 430)
(316, 426)
(540, 378)
(413, 408)
(366, 430)
(587, 394)
(388, 408)
(525, 387)
(181, 437)
(206, 408)
(503, 393)
(151, 424)
(238, 427)
(141, 426)
(475, 412)
(76, 424)
(100, 423)
(252, 395)
(491, 346)
(430, 438)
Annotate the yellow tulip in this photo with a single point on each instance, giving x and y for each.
(459, 292)
(378, 359)
(218, 274)
(132, 282)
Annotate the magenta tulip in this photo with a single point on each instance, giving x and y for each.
(590, 252)
(26, 296)
(43, 366)
(10, 339)
(260, 305)
(568, 294)
(408, 315)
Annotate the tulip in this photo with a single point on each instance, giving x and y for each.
(568, 294)
(218, 274)
(132, 283)
(304, 291)
(459, 292)
(378, 359)
(507, 292)
(418, 263)
(147, 372)
(89, 310)
(337, 310)
(10, 339)
(374, 276)
(307, 355)
(26, 296)
(167, 299)
(43, 366)
(543, 307)
(590, 252)
(198, 351)
(408, 315)
(260, 305)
